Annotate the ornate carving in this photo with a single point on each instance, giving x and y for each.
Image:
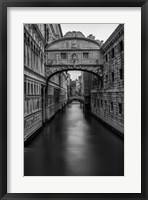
(73, 44)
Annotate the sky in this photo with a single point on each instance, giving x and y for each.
(100, 31)
(74, 74)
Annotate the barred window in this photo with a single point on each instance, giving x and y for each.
(63, 55)
(85, 55)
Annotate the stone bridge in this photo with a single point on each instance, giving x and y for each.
(74, 52)
(79, 98)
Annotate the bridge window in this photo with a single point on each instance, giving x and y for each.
(85, 55)
(63, 55)
(73, 56)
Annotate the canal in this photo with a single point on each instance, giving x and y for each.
(74, 144)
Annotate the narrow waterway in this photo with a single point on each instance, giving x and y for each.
(74, 144)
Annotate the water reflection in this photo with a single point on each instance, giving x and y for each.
(74, 144)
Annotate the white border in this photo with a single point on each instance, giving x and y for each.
(131, 182)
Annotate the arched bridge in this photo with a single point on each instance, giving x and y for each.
(74, 52)
(78, 98)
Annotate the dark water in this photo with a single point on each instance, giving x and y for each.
(74, 144)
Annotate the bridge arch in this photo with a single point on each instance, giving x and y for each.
(74, 69)
(74, 52)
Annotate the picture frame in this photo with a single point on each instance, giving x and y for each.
(3, 98)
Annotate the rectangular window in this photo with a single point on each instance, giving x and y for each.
(113, 53)
(121, 73)
(24, 54)
(106, 58)
(111, 106)
(98, 102)
(85, 55)
(28, 56)
(101, 83)
(105, 103)
(41, 66)
(112, 76)
(31, 88)
(94, 102)
(34, 89)
(120, 108)
(101, 103)
(27, 106)
(121, 45)
(28, 88)
(25, 88)
(63, 56)
(106, 77)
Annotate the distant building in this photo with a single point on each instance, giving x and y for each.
(68, 85)
(72, 88)
(86, 88)
(79, 86)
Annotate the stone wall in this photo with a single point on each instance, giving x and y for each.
(107, 101)
(32, 123)
(56, 97)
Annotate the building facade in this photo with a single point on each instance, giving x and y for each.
(41, 102)
(86, 89)
(34, 77)
(107, 97)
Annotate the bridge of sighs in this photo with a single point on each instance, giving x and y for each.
(74, 52)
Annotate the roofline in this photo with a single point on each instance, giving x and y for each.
(59, 25)
(114, 33)
(72, 38)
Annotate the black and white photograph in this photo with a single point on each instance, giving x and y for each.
(73, 99)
